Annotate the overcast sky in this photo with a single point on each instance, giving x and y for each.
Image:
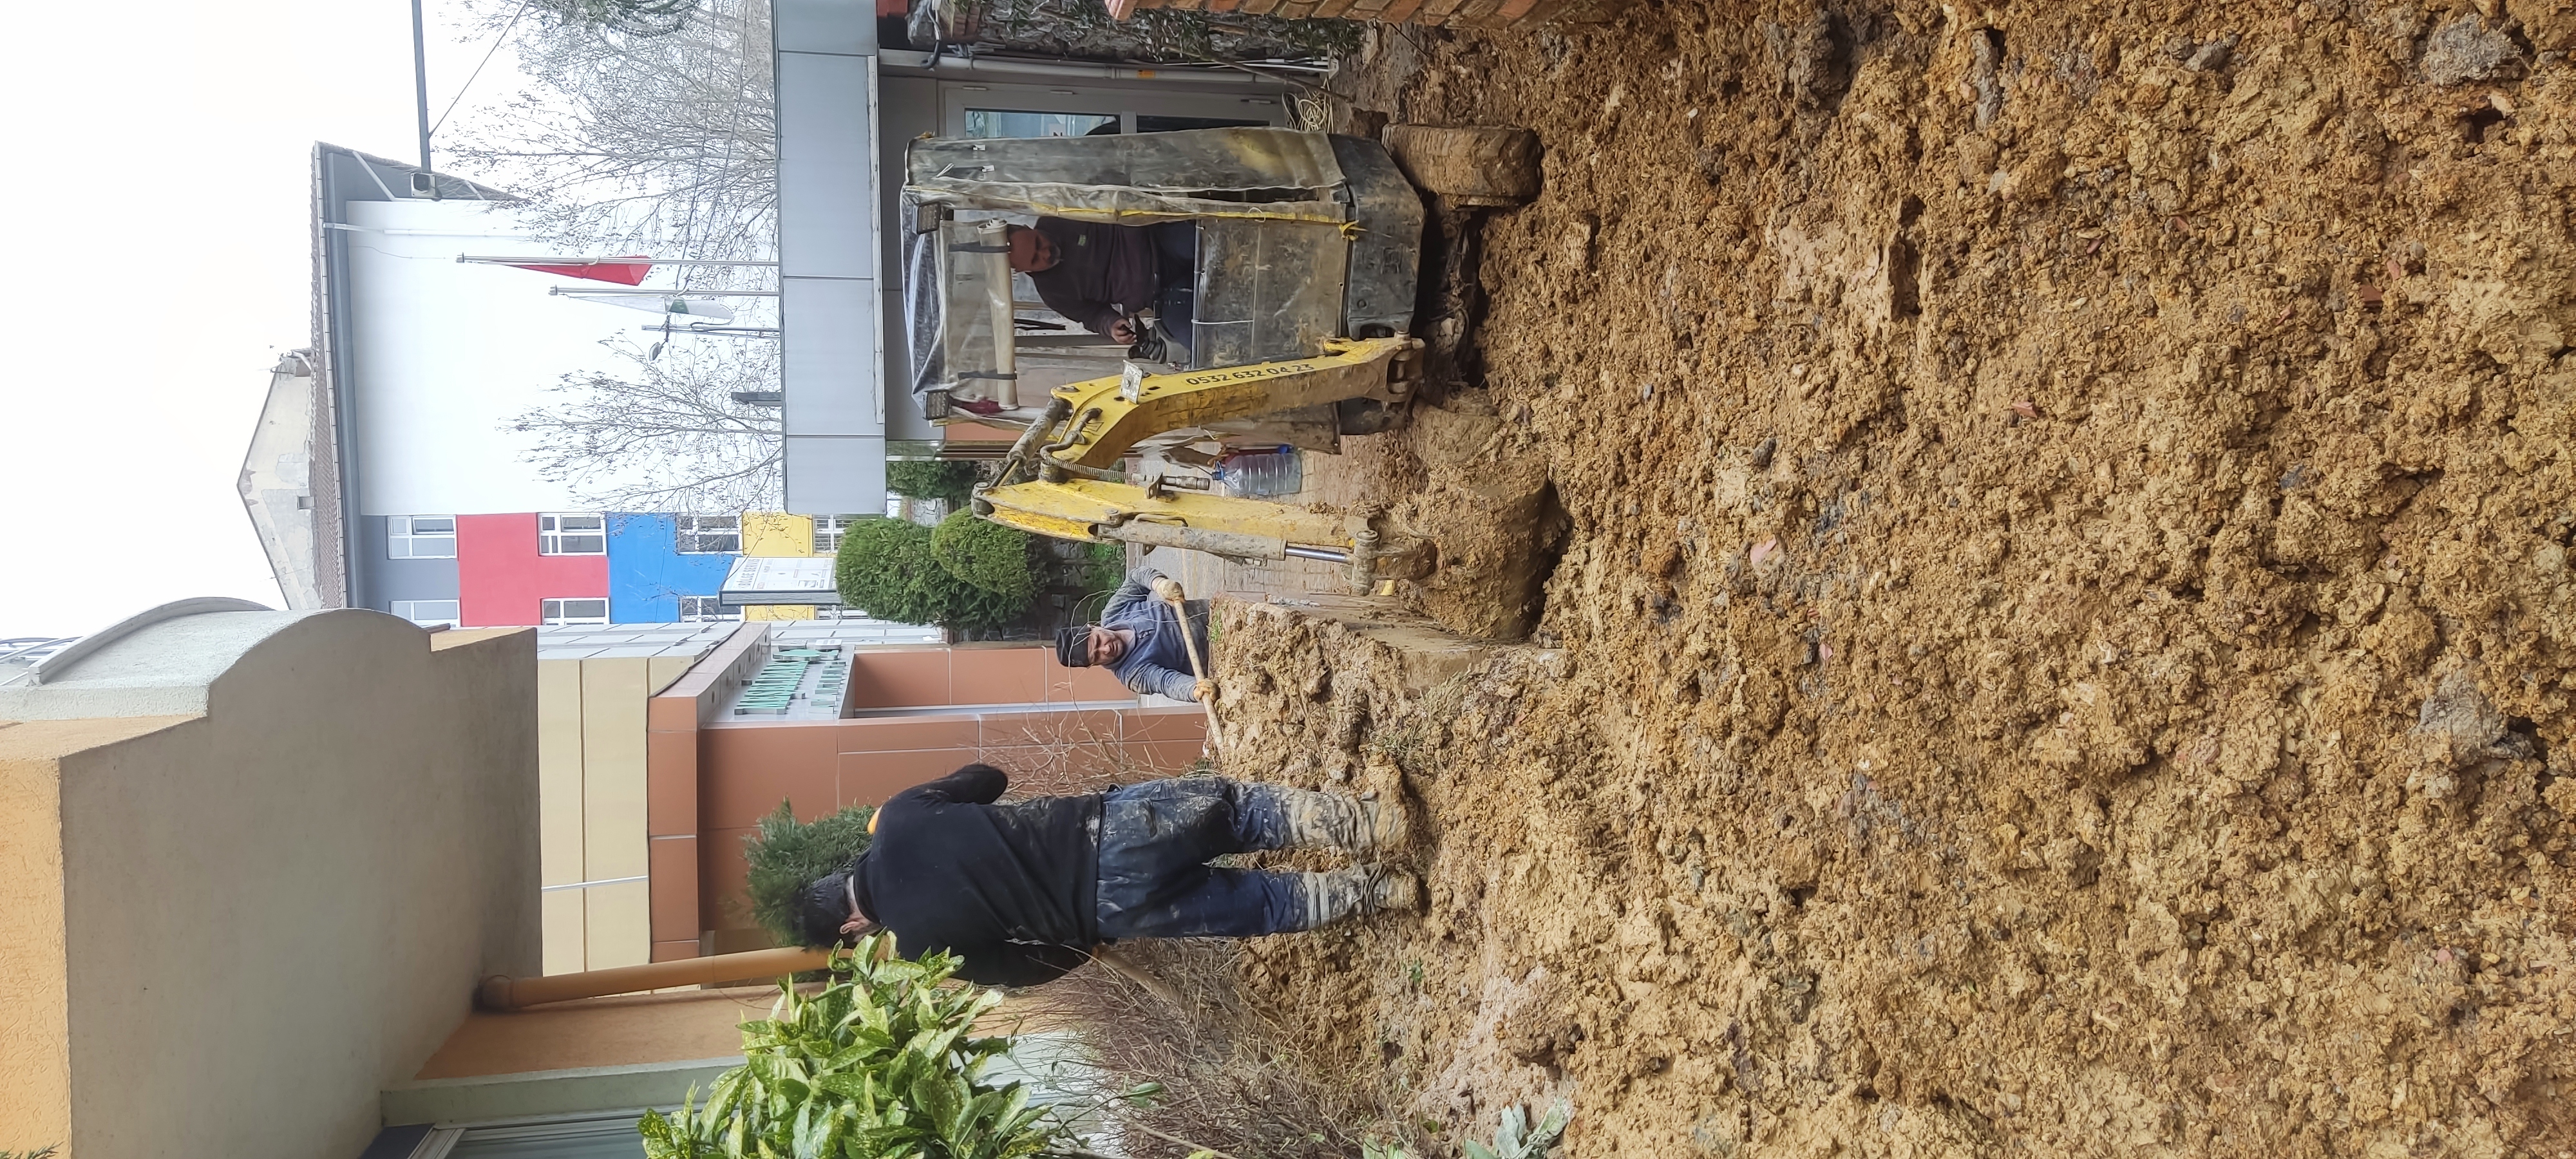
(159, 175)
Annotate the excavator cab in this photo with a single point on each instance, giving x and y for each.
(1303, 257)
(1294, 239)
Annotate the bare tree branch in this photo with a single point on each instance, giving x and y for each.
(662, 142)
(651, 129)
(667, 436)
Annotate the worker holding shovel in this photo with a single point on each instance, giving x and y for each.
(1142, 638)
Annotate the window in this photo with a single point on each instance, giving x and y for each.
(420, 537)
(427, 612)
(584, 1136)
(1020, 123)
(560, 533)
(574, 611)
(703, 609)
(828, 530)
(710, 534)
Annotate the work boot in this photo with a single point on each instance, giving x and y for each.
(1356, 826)
(1358, 892)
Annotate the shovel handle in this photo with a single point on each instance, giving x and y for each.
(1198, 668)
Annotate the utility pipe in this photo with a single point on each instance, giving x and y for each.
(502, 992)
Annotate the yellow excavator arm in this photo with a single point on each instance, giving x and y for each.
(1061, 478)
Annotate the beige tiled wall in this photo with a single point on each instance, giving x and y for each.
(559, 820)
(592, 807)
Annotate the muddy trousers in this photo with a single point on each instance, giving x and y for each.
(1155, 841)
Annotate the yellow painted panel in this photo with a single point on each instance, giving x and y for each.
(772, 534)
(566, 941)
(620, 925)
(559, 847)
(778, 611)
(612, 769)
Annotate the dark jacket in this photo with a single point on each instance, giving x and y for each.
(1012, 889)
(1102, 274)
(1159, 660)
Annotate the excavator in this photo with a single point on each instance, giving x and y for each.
(1305, 268)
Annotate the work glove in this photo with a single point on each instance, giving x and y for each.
(1203, 690)
(1166, 588)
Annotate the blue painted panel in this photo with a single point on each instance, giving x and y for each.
(647, 575)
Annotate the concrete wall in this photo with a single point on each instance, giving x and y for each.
(273, 910)
(35, 975)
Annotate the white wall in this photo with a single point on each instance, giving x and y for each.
(277, 910)
(443, 355)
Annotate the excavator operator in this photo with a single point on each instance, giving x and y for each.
(1103, 276)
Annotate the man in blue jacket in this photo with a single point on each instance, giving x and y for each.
(1139, 638)
(1024, 890)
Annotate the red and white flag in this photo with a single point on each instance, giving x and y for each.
(694, 309)
(628, 271)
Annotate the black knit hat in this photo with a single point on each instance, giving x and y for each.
(825, 906)
(1073, 646)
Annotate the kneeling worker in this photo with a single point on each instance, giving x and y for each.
(1139, 638)
(1023, 891)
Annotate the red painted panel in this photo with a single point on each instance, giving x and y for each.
(501, 580)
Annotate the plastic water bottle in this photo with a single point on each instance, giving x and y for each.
(1262, 474)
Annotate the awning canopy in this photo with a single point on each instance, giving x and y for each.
(755, 579)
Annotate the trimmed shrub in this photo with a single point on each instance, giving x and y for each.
(1104, 567)
(986, 554)
(937, 479)
(787, 854)
(885, 569)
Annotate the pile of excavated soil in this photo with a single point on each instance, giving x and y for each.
(2063, 642)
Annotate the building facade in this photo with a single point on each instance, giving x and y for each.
(596, 567)
(388, 470)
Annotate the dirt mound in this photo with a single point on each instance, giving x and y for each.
(1486, 504)
(2066, 617)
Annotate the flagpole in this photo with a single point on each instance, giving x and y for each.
(578, 291)
(420, 87)
(721, 331)
(483, 260)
